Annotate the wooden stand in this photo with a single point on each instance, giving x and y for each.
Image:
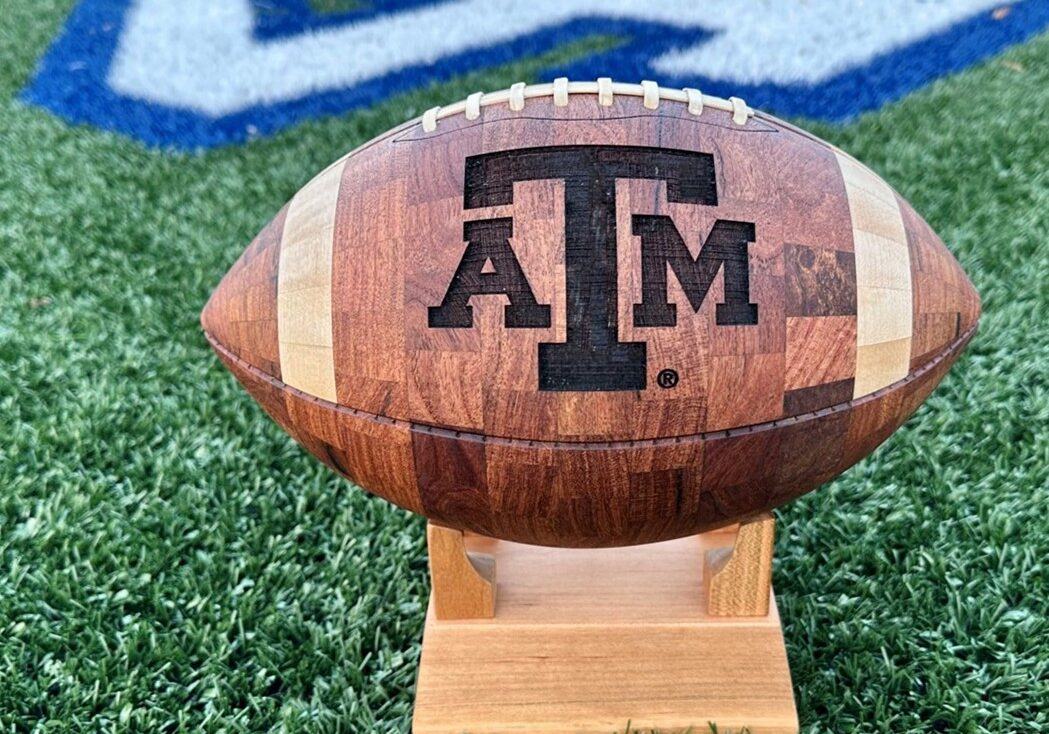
(659, 637)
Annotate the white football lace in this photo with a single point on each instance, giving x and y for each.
(604, 88)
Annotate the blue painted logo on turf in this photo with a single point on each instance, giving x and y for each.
(200, 73)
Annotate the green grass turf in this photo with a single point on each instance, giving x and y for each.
(170, 560)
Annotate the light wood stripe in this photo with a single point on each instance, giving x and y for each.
(304, 331)
(884, 296)
(881, 364)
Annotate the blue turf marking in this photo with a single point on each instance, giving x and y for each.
(71, 77)
(284, 18)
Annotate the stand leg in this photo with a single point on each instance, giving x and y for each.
(739, 578)
(463, 583)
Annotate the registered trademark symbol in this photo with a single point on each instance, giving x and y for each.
(667, 378)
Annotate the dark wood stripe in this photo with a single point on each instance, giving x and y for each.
(810, 399)
(453, 481)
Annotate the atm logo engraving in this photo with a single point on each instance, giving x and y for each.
(592, 358)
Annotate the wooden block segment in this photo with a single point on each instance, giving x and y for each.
(820, 350)
(879, 364)
(884, 314)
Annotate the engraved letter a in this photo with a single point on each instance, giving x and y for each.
(489, 242)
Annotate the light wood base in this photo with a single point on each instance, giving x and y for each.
(591, 640)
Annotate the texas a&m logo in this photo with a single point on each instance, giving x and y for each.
(592, 357)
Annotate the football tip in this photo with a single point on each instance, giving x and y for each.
(945, 303)
(241, 313)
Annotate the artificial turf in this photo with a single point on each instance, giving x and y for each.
(171, 560)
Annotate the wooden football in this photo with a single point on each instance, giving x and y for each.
(592, 314)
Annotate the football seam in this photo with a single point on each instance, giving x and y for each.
(468, 435)
(604, 88)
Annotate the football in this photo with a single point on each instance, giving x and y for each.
(592, 314)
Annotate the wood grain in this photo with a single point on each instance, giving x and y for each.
(788, 290)
(739, 579)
